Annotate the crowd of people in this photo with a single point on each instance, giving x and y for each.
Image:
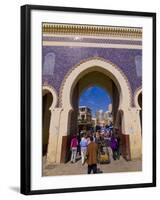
(95, 147)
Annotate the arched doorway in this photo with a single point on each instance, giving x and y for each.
(46, 117)
(49, 102)
(98, 79)
(94, 79)
(140, 105)
(81, 77)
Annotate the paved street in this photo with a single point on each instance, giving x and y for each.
(77, 168)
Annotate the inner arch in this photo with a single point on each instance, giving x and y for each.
(47, 101)
(92, 79)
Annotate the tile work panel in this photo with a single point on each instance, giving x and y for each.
(66, 57)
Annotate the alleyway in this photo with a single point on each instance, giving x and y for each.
(77, 168)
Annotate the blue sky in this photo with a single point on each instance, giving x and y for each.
(96, 98)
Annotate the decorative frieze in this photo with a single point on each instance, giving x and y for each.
(68, 29)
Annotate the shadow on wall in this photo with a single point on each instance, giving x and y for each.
(15, 189)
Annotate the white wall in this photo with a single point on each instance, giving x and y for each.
(10, 99)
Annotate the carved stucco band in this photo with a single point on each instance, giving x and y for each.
(89, 59)
(53, 92)
(92, 30)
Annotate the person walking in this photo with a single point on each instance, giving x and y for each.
(118, 145)
(114, 147)
(74, 144)
(92, 151)
(83, 145)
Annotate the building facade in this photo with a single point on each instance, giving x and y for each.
(84, 118)
(104, 118)
(100, 118)
(77, 56)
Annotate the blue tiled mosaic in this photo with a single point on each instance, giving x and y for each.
(67, 57)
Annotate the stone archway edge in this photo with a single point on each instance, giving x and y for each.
(51, 89)
(75, 72)
(136, 94)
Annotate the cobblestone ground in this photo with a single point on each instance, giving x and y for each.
(77, 168)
